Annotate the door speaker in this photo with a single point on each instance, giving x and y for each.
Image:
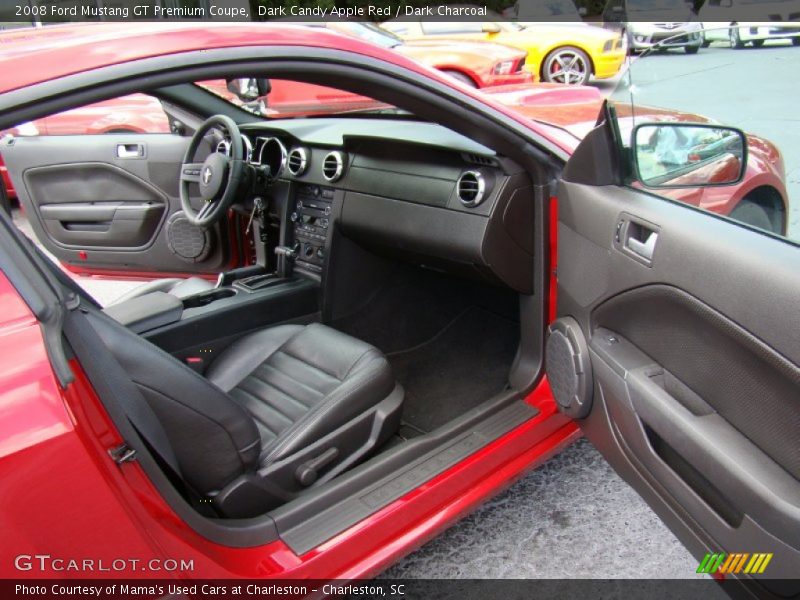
(186, 241)
(568, 367)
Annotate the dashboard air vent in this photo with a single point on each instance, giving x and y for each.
(477, 159)
(333, 165)
(471, 188)
(298, 161)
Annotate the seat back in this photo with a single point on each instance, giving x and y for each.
(214, 439)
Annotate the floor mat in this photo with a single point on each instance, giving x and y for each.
(403, 315)
(465, 364)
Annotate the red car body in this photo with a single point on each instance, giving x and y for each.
(474, 60)
(62, 494)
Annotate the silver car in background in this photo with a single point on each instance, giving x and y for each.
(668, 23)
(719, 26)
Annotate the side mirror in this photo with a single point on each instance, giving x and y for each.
(676, 155)
(490, 28)
(249, 89)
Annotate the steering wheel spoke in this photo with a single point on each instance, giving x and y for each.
(218, 177)
(206, 209)
(190, 172)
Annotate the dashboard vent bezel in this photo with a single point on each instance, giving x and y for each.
(480, 160)
(302, 161)
(339, 159)
(224, 147)
(477, 188)
(283, 156)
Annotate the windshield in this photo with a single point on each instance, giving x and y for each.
(289, 98)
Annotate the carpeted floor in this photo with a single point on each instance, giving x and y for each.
(451, 342)
(463, 365)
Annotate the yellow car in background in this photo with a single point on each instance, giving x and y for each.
(568, 53)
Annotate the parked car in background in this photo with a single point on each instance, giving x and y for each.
(759, 198)
(719, 24)
(135, 113)
(477, 64)
(647, 23)
(558, 53)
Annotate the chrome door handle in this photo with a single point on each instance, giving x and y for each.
(130, 150)
(646, 248)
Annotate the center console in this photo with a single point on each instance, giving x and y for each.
(247, 298)
(311, 220)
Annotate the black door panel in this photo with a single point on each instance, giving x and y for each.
(111, 202)
(695, 356)
(95, 205)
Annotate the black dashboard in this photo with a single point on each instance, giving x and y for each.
(415, 190)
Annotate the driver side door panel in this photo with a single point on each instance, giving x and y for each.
(695, 360)
(110, 202)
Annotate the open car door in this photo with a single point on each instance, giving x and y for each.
(99, 187)
(677, 343)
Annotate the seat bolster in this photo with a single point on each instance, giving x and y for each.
(370, 381)
(245, 355)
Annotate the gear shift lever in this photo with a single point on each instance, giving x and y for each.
(287, 252)
(286, 255)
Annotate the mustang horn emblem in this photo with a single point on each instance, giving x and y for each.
(206, 175)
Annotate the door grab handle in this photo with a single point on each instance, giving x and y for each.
(130, 150)
(644, 249)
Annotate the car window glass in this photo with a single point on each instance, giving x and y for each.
(754, 180)
(135, 113)
(289, 98)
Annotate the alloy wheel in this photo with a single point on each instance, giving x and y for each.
(567, 65)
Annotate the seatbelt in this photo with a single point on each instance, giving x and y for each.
(111, 381)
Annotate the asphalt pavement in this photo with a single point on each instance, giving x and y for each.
(574, 517)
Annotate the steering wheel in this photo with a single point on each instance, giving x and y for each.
(218, 176)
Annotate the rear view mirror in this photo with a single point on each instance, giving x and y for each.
(249, 89)
(669, 155)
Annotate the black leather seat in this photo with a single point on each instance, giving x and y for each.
(182, 288)
(279, 410)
